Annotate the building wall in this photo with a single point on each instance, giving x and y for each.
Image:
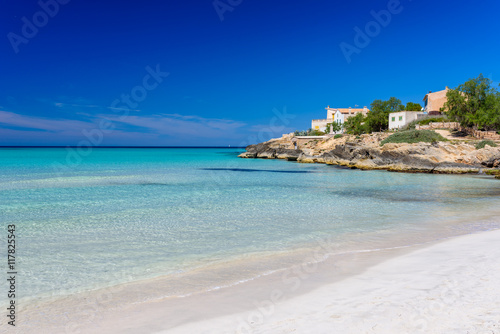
(435, 101)
(398, 120)
(439, 125)
(338, 115)
(330, 113)
(320, 124)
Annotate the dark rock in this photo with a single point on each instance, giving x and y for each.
(492, 162)
(367, 154)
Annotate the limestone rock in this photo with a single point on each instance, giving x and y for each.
(365, 152)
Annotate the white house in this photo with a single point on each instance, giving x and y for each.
(337, 115)
(398, 120)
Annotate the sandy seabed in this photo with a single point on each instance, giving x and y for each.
(452, 286)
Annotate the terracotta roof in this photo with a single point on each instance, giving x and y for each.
(348, 110)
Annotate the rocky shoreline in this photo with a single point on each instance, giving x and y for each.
(365, 152)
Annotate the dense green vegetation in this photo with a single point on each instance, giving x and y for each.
(309, 132)
(410, 106)
(483, 143)
(414, 136)
(378, 117)
(312, 132)
(426, 121)
(335, 127)
(474, 104)
(356, 125)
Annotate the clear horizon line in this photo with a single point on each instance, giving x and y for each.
(70, 146)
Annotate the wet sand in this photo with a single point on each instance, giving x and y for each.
(448, 286)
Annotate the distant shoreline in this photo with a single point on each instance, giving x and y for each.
(69, 146)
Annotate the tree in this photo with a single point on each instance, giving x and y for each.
(474, 104)
(378, 117)
(410, 106)
(335, 127)
(355, 125)
(489, 119)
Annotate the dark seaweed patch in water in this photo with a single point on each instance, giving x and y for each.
(236, 153)
(382, 195)
(398, 196)
(342, 167)
(259, 170)
(138, 184)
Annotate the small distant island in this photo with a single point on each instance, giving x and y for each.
(457, 131)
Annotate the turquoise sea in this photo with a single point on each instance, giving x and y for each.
(116, 215)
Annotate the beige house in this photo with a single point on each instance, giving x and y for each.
(337, 115)
(433, 102)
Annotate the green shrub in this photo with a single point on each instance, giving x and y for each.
(333, 127)
(316, 133)
(483, 143)
(425, 121)
(493, 172)
(338, 136)
(309, 132)
(411, 125)
(414, 136)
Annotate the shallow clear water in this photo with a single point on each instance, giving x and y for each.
(118, 215)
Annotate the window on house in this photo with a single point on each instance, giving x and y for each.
(400, 118)
(394, 119)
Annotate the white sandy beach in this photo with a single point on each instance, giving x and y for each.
(450, 287)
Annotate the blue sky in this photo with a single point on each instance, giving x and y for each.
(190, 72)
